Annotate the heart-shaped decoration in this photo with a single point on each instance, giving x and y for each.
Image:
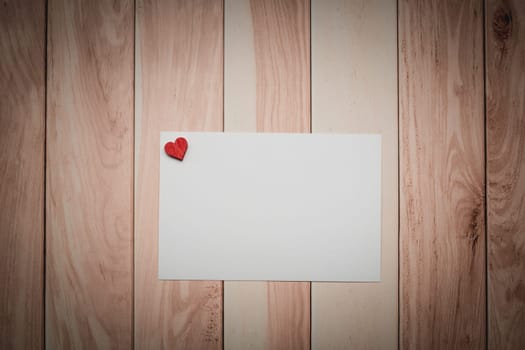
(176, 149)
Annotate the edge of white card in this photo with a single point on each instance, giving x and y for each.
(166, 136)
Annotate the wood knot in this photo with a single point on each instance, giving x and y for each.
(502, 24)
(474, 228)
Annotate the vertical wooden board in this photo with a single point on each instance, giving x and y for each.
(442, 206)
(89, 205)
(179, 78)
(267, 89)
(240, 110)
(505, 101)
(281, 42)
(22, 118)
(354, 90)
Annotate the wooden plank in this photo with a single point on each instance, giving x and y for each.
(179, 78)
(89, 208)
(442, 206)
(354, 90)
(22, 118)
(267, 89)
(505, 101)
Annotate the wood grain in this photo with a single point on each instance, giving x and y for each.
(22, 118)
(89, 208)
(442, 226)
(281, 40)
(505, 101)
(354, 90)
(179, 77)
(267, 89)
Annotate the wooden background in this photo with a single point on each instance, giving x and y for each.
(86, 87)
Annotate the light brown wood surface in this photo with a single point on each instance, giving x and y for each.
(442, 209)
(505, 98)
(354, 90)
(102, 137)
(22, 118)
(179, 77)
(267, 89)
(89, 192)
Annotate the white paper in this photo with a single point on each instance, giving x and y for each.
(283, 207)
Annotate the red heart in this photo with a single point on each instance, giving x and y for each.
(176, 149)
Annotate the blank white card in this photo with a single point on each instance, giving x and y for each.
(283, 207)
